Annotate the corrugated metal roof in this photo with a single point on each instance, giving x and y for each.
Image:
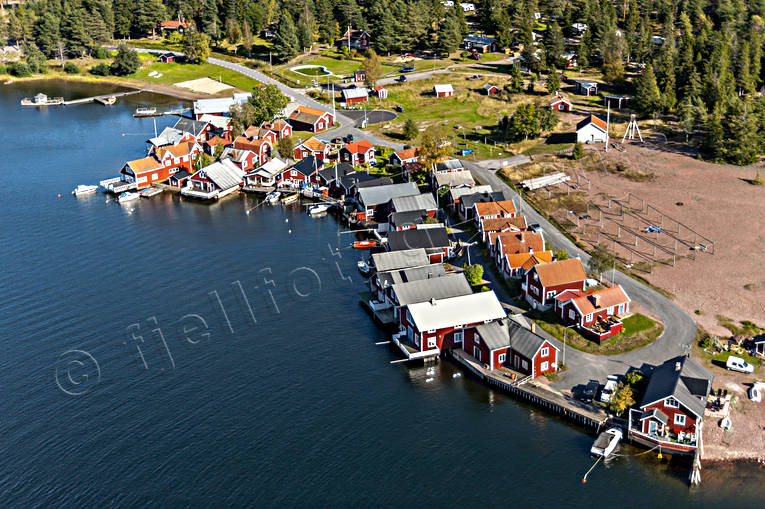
(371, 196)
(455, 179)
(219, 105)
(426, 238)
(400, 260)
(459, 192)
(168, 136)
(494, 334)
(393, 277)
(423, 201)
(456, 311)
(224, 174)
(272, 168)
(188, 125)
(524, 341)
(435, 288)
(355, 93)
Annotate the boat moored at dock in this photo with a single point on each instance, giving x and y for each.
(146, 112)
(364, 244)
(82, 190)
(321, 208)
(606, 442)
(42, 100)
(272, 197)
(128, 196)
(291, 198)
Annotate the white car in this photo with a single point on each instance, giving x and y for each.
(738, 364)
(609, 388)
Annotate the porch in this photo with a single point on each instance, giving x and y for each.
(116, 185)
(603, 329)
(410, 350)
(198, 194)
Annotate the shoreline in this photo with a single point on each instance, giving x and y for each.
(154, 88)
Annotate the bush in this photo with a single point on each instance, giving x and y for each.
(474, 273)
(634, 377)
(126, 61)
(411, 131)
(100, 53)
(561, 254)
(101, 69)
(71, 68)
(485, 288)
(707, 342)
(757, 179)
(578, 150)
(20, 70)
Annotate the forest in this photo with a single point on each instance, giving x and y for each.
(698, 62)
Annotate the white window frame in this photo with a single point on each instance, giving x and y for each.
(458, 337)
(545, 352)
(671, 402)
(550, 294)
(154, 176)
(588, 317)
(524, 364)
(571, 314)
(545, 366)
(680, 419)
(501, 358)
(432, 342)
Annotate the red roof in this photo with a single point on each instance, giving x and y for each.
(173, 24)
(592, 119)
(359, 147)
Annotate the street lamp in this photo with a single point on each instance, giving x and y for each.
(467, 249)
(564, 341)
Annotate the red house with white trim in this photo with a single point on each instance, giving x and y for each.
(163, 162)
(561, 104)
(403, 156)
(313, 147)
(595, 314)
(304, 171)
(304, 118)
(280, 127)
(545, 281)
(504, 343)
(260, 133)
(358, 152)
(261, 148)
(672, 409)
(429, 327)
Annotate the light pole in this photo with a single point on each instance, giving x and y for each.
(565, 331)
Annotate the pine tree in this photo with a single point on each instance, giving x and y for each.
(247, 38)
(286, 42)
(448, 37)
(411, 131)
(647, 95)
(516, 80)
(122, 17)
(304, 37)
(554, 45)
(553, 83)
(47, 34)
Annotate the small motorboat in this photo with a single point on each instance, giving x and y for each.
(319, 209)
(364, 244)
(292, 198)
(363, 268)
(606, 442)
(272, 197)
(108, 101)
(145, 112)
(128, 196)
(82, 190)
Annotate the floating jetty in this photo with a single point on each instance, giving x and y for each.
(42, 100)
(103, 99)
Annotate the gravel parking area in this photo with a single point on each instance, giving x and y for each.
(373, 117)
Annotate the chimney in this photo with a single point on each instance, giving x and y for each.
(533, 327)
(596, 299)
(677, 366)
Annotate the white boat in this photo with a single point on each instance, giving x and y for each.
(82, 190)
(128, 196)
(363, 267)
(145, 112)
(319, 209)
(273, 197)
(153, 73)
(606, 442)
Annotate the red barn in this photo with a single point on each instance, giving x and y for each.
(443, 90)
(543, 282)
(595, 314)
(672, 409)
(429, 327)
(358, 152)
(561, 104)
(490, 89)
(504, 343)
(304, 118)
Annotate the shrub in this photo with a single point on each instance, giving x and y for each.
(411, 131)
(71, 68)
(757, 179)
(474, 273)
(100, 53)
(706, 342)
(578, 150)
(485, 288)
(101, 69)
(634, 377)
(561, 254)
(20, 70)
(126, 61)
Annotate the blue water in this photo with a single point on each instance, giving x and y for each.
(107, 401)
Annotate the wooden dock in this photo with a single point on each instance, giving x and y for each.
(526, 389)
(100, 98)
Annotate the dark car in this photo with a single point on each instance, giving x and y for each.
(337, 140)
(350, 138)
(590, 390)
(408, 68)
(401, 78)
(399, 108)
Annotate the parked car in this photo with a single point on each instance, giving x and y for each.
(350, 138)
(738, 364)
(337, 141)
(401, 78)
(535, 227)
(398, 107)
(408, 68)
(588, 394)
(609, 388)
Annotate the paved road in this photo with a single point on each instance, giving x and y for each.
(679, 327)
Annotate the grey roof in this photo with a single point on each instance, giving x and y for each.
(188, 125)
(655, 413)
(224, 174)
(489, 86)
(371, 196)
(354, 93)
(340, 169)
(235, 154)
(407, 218)
(471, 199)
(427, 238)
(357, 178)
(434, 288)
(459, 192)
(690, 385)
(455, 179)
(168, 136)
(307, 166)
(393, 277)
(494, 334)
(479, 39)
(180, 175)
(219, 104)
(524, 341)
(423, 201)
(373, 182)
(400, 260)
(449, 164)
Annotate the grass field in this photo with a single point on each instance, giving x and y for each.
(175, 73)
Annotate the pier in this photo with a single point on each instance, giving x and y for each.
(100, 98)
(526, 389)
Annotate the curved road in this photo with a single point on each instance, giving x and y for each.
(679, 327)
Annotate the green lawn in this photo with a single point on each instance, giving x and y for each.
(174, 73)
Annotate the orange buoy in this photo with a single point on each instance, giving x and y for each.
(59, 195)
(584, 480)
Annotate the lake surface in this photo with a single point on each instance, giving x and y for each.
(134, 373)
